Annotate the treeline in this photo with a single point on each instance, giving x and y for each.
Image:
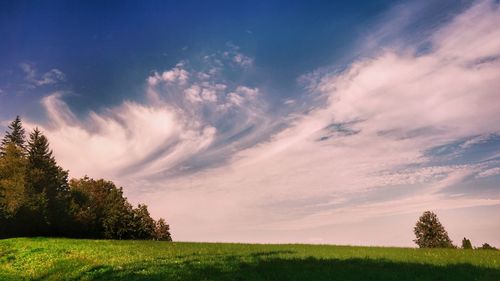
(430, 233)
(37, 199)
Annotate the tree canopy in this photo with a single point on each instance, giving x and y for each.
(37, 199)
(430, 233)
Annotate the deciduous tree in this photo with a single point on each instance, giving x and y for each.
(430, 233)
(162, 231)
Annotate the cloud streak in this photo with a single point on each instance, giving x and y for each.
(51, 77)
(210, 154)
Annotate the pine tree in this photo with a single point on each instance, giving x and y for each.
(430, 232)
(47, 184)
(15, 135)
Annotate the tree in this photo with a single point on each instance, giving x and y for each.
(430, 233)
(15, 135)
(143, 225)
(466, 244)
(37, 200)
(88, 206)
(162, 231)
(101, 211)
(13, 165)
(12, 170)
(47, 186)
(487, 246)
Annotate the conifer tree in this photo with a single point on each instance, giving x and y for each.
(47, 184)
(15, 135)
(36, 199)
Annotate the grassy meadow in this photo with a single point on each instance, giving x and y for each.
(70, 259)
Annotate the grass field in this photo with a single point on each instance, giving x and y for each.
(69, 259)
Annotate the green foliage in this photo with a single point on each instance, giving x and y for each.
(430, 233)
(37, 200)
(47, 186)
(92, 260)
(466, 244)
(101, 211)
(15, 135)
(143, 225)
(162, 231)
(12, 170)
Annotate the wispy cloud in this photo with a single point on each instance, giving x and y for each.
(50, 77)
(189, 122)
(332, 164)
(236, 56)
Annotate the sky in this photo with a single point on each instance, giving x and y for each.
(329, 122)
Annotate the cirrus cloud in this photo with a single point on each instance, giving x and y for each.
(362, 150)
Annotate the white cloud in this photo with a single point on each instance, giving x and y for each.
(177, 75)
(51, 77)
(330, 165)
(233, 54)
(177, 125)
(394, 106)
(193, 93)
(489, 173)
(208, 95)
(242, 60)
(475, 141)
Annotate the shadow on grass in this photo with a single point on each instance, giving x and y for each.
(264, 266)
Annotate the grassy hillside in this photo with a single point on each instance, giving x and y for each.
(68, 259)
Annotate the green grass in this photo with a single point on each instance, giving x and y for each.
(69, 259)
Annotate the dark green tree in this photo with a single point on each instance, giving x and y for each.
(12, 170)
(101, 211)
(47, 186)
(13, 165)
(88, 206)
(466, 244)
(162, 231)
(119, 217)
(143, 225)
(15, 135)
(430, 233)
(36, 198)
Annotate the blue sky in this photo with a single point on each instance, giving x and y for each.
(276, 121)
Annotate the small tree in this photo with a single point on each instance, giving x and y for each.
(15, 135)
(143, 225)
(430, 232)
(487, 246)
(466, 244)
(162, 231)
